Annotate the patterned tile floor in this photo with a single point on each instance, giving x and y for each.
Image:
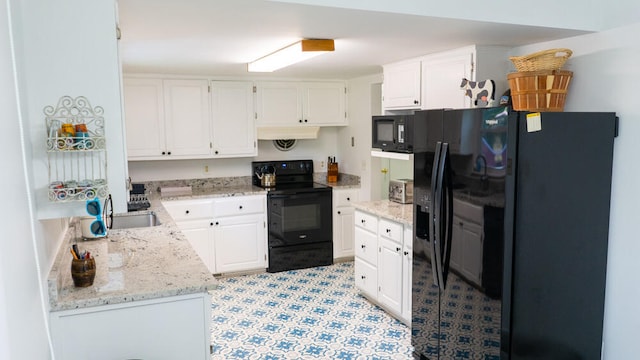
(302, 314)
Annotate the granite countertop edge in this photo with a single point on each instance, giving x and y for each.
(388, 209)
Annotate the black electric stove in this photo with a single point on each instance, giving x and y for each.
(299, 215)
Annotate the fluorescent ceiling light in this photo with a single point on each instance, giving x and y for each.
(294, 53)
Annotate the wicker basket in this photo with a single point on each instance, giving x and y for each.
(551, 59)
(539, 90)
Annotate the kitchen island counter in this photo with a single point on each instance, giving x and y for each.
(131, 265)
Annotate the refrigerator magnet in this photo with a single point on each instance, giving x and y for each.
(533, 122)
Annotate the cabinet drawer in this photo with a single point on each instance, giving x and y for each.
(181, 210)
(366, 277)
(242, 205)
(366, 221)
(344, 197)
(391, 230)
(468, 211)
(366, 245)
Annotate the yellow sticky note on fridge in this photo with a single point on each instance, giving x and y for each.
(533, 122)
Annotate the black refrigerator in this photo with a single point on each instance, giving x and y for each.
(511, 222)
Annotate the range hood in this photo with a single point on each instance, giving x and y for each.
(288, 132)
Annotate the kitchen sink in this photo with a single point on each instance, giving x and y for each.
(135, 220)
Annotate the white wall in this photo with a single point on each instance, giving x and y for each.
(316, 149)
(69, 48)
(364, 97)
(606, 74)
(23, 323)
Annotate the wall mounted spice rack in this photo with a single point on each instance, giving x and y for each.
(76, 148)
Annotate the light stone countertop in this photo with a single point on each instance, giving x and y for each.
(388, 209)
(147, 263)
(131, 265)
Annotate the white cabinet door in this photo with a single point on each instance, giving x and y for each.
(176, 327)
(144, 117)
(366, 278)
(366, 245)
(199, 233)
(442, 77)
(343, 222)
(278, 104)
(240, 243)
(407, 274)
(401, 87)
(324, 103)
(343, 232)
(188, 125)
(390, 261)
(234, 131)
(296, 103)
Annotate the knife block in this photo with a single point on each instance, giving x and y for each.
(332, 172)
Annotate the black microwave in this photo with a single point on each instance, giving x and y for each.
(393, 133)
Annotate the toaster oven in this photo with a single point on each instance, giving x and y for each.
(401, 191)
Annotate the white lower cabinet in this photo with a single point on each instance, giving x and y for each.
(174, 327)
(383, 263)
(390, 274)
(343, 218)
(407, 274)
(200, 236)
(229, 233)
(239, 243)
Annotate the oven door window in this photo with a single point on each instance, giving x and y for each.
(300, 218)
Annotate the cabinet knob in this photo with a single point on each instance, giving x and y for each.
(240, 207)
(415, 102)
(168, 152)
(300, 120)
(406, 253)
(398, 249)
(348, 199)
(186, 212)
(362, 221)
(363, 246)
(388, 231)
(217, 223)
(164, 153)
(305, 120)
(211, 224)
(339, 212)
(216, 152)
(363, 277)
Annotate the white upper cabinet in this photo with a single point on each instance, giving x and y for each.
(278, 103)
(324, 104)
(234, 131)
(187, 123)
(442, 76)
(433, 81)
(301, 103)
(166, 119)
(401, 88)
(144, 117)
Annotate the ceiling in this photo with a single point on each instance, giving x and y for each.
(219, 37)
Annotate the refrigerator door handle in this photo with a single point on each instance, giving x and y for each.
(434, 217)
(440, 216)
(447, 218)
